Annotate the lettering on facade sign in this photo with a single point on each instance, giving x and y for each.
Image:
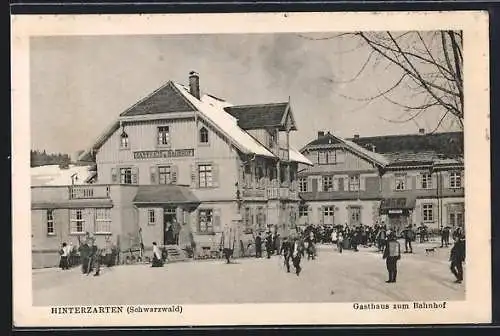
(395, 211)
(159, 154)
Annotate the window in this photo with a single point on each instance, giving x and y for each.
(327, 183)
(426, 181)
(124, 141)
(322, 157)
(163, 136)
(261, 218)
(103, 221)
(331, 157)
(355, 215)
(205, 175)
(248, 219)
(126, 175)
(303, 211)
(50, 223)
(303, 184)
(456, 219)
(206, 221)
(151, 217)
(354, 183)
(328, 211)
(427, 212)
(455, 180)
(272, 138)
(76, 221)
(165, 175)
(203, 135)
(400, 181)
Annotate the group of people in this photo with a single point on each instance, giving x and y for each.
(89, 254)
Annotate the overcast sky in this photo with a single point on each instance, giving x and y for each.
(79, 85)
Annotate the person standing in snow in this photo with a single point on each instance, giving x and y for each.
(157, 256)
(392, 253)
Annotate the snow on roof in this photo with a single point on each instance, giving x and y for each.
(379, 158)
(296, 156)
(213, 110)
(53, 175)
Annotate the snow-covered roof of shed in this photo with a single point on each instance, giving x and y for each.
(55, 176)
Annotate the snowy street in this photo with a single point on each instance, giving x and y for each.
(332, 277)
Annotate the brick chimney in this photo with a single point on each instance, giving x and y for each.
(421, 131)
(321, 134)
(194, 84)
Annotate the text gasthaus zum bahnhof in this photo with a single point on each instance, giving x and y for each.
(70, 310)
(399, 306)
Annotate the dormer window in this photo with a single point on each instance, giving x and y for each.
(203, 135)
(124, 144)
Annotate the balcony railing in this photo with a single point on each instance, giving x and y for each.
(88, 192)
(281, 193)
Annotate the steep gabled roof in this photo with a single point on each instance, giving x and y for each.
(330, 139)
(447, 143)
(260, 115)
(166, 99)
(209, 107)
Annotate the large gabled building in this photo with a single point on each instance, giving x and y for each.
(180, 163)
(396, 180)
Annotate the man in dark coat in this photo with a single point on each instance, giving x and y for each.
(84, 256)
(258, 246)
(269, 245)
(408, 235)
(297, 253)
(392, 253)
(286, 250)
(457, 257)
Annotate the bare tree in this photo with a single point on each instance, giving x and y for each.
(430, 67)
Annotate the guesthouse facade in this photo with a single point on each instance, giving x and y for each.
(180, 167)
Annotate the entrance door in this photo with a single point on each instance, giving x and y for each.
(169, 217)
(397, 222)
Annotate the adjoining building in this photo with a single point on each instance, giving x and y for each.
(178, 165)
(396, 180)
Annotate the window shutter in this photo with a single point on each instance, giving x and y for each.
(320, 184)
(335, 184)
(309, 214)
(408, 183)
(193, 176)
(362, 183)
(114, 175)
(175, 173)
(346, 184)
(322, 215)
(216, 219)
(419, 182)
(152, 173)
(135, 175)
(340, 184)
(445, 178)
(434, 213)
(215, 176)
(393, 182)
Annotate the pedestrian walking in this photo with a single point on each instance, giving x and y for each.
(228, 240)
(286, 250)
(157, 256)
(408, 235)
(269, 244)
(84, 250)
(340, 241)
(392, 253)
(64, 253)
(457, 257)
(258, 246)
(297, 253)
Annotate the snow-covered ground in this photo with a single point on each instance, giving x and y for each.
(332, 277)
(53, 175)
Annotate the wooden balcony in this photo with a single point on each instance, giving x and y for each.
(254, 193)
(281, 193)
(89, 191)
